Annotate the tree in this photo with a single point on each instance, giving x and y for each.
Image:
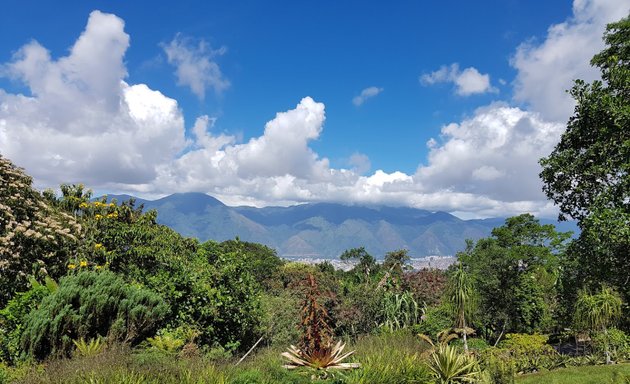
(461, 298)
(515, 274)
(589, 166)
(396, 262)
(598, 312)
(36, 237)
(366, 263)
(587, 174)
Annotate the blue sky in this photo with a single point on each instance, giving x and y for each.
(459, 100)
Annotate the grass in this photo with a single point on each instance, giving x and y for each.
(598, 374)
(388, 358)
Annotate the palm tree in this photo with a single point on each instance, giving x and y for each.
(462, 300)
(598, 312)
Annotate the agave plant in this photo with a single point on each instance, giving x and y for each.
(324, 358)
(449, 366)
(315, 349)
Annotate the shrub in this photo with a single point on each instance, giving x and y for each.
(618, 343)
(88, 305)
(426, 285)
(13, 315)
(434, 321)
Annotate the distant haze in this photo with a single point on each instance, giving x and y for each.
(322, 230)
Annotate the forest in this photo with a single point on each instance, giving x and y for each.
(93, 291)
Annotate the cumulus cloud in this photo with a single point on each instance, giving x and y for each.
(493, 154)
(195, 65)
(82, 121)
(467, 82)
(365, 94)
(546, 69)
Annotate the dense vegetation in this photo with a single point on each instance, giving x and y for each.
(97, 291)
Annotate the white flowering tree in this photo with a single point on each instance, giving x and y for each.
(36, 239)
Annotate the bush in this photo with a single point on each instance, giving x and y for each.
(434, 321)
(618, 343)
(529, 353)
(88, 305)
(12, 319)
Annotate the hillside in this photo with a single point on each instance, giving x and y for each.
(322, 230)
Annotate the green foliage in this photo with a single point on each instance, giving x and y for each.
(359, 313)
(399, 310)
(462, 301)
(516, 274)
(434, 320)
(365, 263)
(36, 237)
(597, 312)
(396, 262)
(89, 305)
(209, 286)
(524, 344)
(88, 348)
(587, 174)
(523, 353)
(611, 374)
(449, 366)
(280, 312)
(12, 318)
(261, 261)
(499, 368)
(166, 343)
(616, 340)
(390, 358)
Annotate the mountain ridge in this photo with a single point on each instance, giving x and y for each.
(322, 230)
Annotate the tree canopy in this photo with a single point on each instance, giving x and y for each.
(588, 173)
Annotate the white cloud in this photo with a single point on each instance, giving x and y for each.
(547, 69)
(467, 82)
(195, 66)
(492, 154)
(365, 94)
(360, 163)
(82, 122)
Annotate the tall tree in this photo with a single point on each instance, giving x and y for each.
(587, 174)
(365, 263)
(461, 297)
(515, 273)
(597, 312)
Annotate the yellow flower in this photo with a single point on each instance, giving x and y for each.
(83, 205)
(112, 204)
(83, 263)
(72, 266)
(98, 246)
(98, 216)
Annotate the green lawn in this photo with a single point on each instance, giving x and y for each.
(600, 374)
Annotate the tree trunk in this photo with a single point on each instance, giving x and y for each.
(465, 340)
(606, 351)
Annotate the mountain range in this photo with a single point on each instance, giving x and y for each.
(323, 230)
